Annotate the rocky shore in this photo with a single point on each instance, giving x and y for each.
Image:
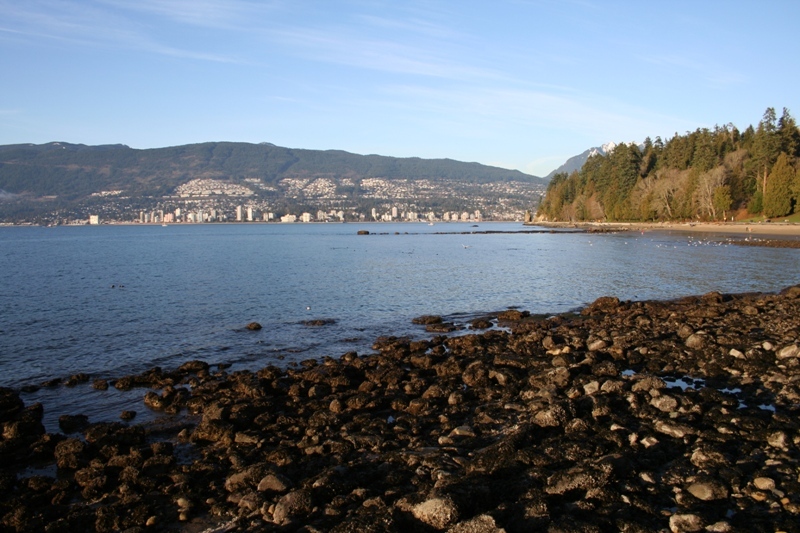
(631, 416)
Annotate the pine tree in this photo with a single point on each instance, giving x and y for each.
(778, 190)
(789, 134)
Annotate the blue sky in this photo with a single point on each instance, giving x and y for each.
(521, 84)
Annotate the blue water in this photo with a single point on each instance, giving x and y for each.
(115, 300)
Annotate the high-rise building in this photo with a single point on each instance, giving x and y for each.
(239, 213)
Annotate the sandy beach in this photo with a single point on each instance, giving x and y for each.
(774, 229)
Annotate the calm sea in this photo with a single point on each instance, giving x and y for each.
(115, 300)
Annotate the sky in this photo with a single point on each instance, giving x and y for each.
(519, 84)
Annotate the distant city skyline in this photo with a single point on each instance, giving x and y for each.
(519, 84)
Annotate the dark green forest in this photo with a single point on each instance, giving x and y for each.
(708, 174)
(73, 171)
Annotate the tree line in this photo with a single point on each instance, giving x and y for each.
(708, 174)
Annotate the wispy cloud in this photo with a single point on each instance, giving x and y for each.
(91, 25)
(711, 72)
(220, 14)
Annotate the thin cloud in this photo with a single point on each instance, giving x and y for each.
(220, 14)
(90, 26)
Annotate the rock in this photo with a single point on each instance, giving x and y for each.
(274, 483)
(480, 524)
(318, 322)
(253, 326)
(294, 505)
(362, 232)
(664, 403)
(439, 513)
(685, 523)
(444, 327)
(764, 483)
(672, 429)
(512, 315)
(195, 366)
(69, 454)
(603, 305)
(425, 320)
(696, 341)
(596, 345)
(100, 384)
(708, 490)
(72, 423)
(788, 352)
(481, 323)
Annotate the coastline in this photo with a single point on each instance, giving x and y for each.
(679, 415)
(732, 228)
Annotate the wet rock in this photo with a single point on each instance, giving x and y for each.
(76, 379)
(444, 327)
(426, 320)
(193, 367)
(69, 454)
(72, 423)
(253, 326)
(512, 315)
(318, 322)
(480, 323)
(603, 305)
(100, 384)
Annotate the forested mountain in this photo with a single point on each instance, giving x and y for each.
(706, 174)
(73, 171)
(65, 183)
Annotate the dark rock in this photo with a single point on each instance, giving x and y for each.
(512, 315)
(253, 326)
(603, 305)
(72, 423)
(426, 320)
(319, 322)
(292, 506)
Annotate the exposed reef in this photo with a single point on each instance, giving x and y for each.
(631, 416)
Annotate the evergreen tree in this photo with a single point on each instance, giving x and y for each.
(765, 150)
(789, 134)
(778, 190)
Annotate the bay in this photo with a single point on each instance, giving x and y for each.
(114, 300)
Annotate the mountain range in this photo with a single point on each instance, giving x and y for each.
(58, 175)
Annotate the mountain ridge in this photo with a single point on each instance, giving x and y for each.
(49, 180)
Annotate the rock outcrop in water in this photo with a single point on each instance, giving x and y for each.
(633, 416)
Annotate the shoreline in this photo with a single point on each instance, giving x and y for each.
(649, 415)
(733, 228)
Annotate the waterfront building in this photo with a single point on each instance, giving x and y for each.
(94, 220)
(306, 217)
(239, 214)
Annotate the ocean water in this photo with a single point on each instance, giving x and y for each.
(114, 300)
